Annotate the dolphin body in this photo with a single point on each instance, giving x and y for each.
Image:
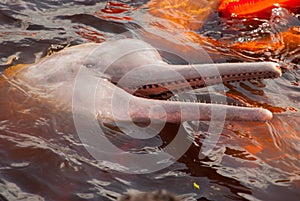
(133, 82)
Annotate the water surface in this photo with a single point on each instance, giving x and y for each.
(42, 157)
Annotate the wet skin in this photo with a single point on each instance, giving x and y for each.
(132, 71)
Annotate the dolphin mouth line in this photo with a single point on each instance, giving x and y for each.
(199, 98)
(166, 90)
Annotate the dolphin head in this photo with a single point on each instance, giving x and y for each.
(131, 72)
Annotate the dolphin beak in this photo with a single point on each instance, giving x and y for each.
(188, 77)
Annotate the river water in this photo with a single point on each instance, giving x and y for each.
(42, 157)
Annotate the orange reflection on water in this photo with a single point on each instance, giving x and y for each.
(90, 35)
(276, 143)
(189, 14)
(186, 16)
(289, 39)
(115, 11)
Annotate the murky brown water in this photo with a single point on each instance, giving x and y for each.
(42, 158)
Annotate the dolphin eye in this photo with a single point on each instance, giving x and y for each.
(89, 66)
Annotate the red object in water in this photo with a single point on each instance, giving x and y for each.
(242, 8)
